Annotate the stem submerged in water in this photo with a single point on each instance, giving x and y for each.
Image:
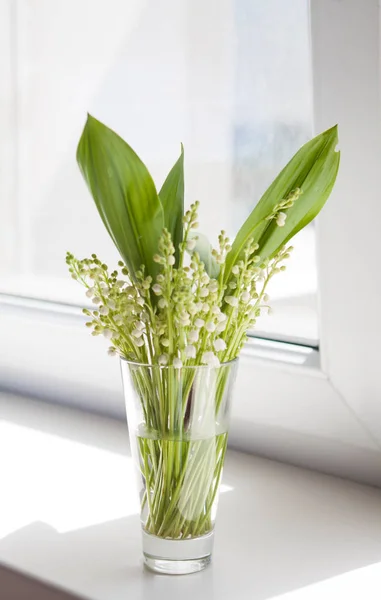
(180, 501)
(181, 443)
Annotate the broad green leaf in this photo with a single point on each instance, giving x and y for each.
(172, 200)
(204, 249)
(124, 194)
(313, 169)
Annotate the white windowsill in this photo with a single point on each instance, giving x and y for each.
(70, 518)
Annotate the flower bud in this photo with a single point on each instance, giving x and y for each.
(210, 359)
(281, 219)
(219, 344)
(190, 351)
(163, 359)
(157, 289)
(191, 245)
(192, 308)
(231, 300)
(221, 327)
(193, 336)
(221, 317)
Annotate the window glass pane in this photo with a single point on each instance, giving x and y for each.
(272, 118)
(228, 78)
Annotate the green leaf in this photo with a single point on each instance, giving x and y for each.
(124, 194)
(313, 169)
(172, 200)
(204, 249)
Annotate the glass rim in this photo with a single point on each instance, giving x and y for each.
(138, 364)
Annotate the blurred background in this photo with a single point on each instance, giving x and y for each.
(231, 80)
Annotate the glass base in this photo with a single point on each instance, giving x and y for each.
(177, 557)
(176, 567)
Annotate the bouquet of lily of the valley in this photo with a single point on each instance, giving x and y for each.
(177, 310)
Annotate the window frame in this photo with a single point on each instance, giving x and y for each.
(323, 412)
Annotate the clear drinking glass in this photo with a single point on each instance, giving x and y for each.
(178, 427)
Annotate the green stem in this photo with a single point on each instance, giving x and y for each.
(181, 474)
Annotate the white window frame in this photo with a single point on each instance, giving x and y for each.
(317, 408)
